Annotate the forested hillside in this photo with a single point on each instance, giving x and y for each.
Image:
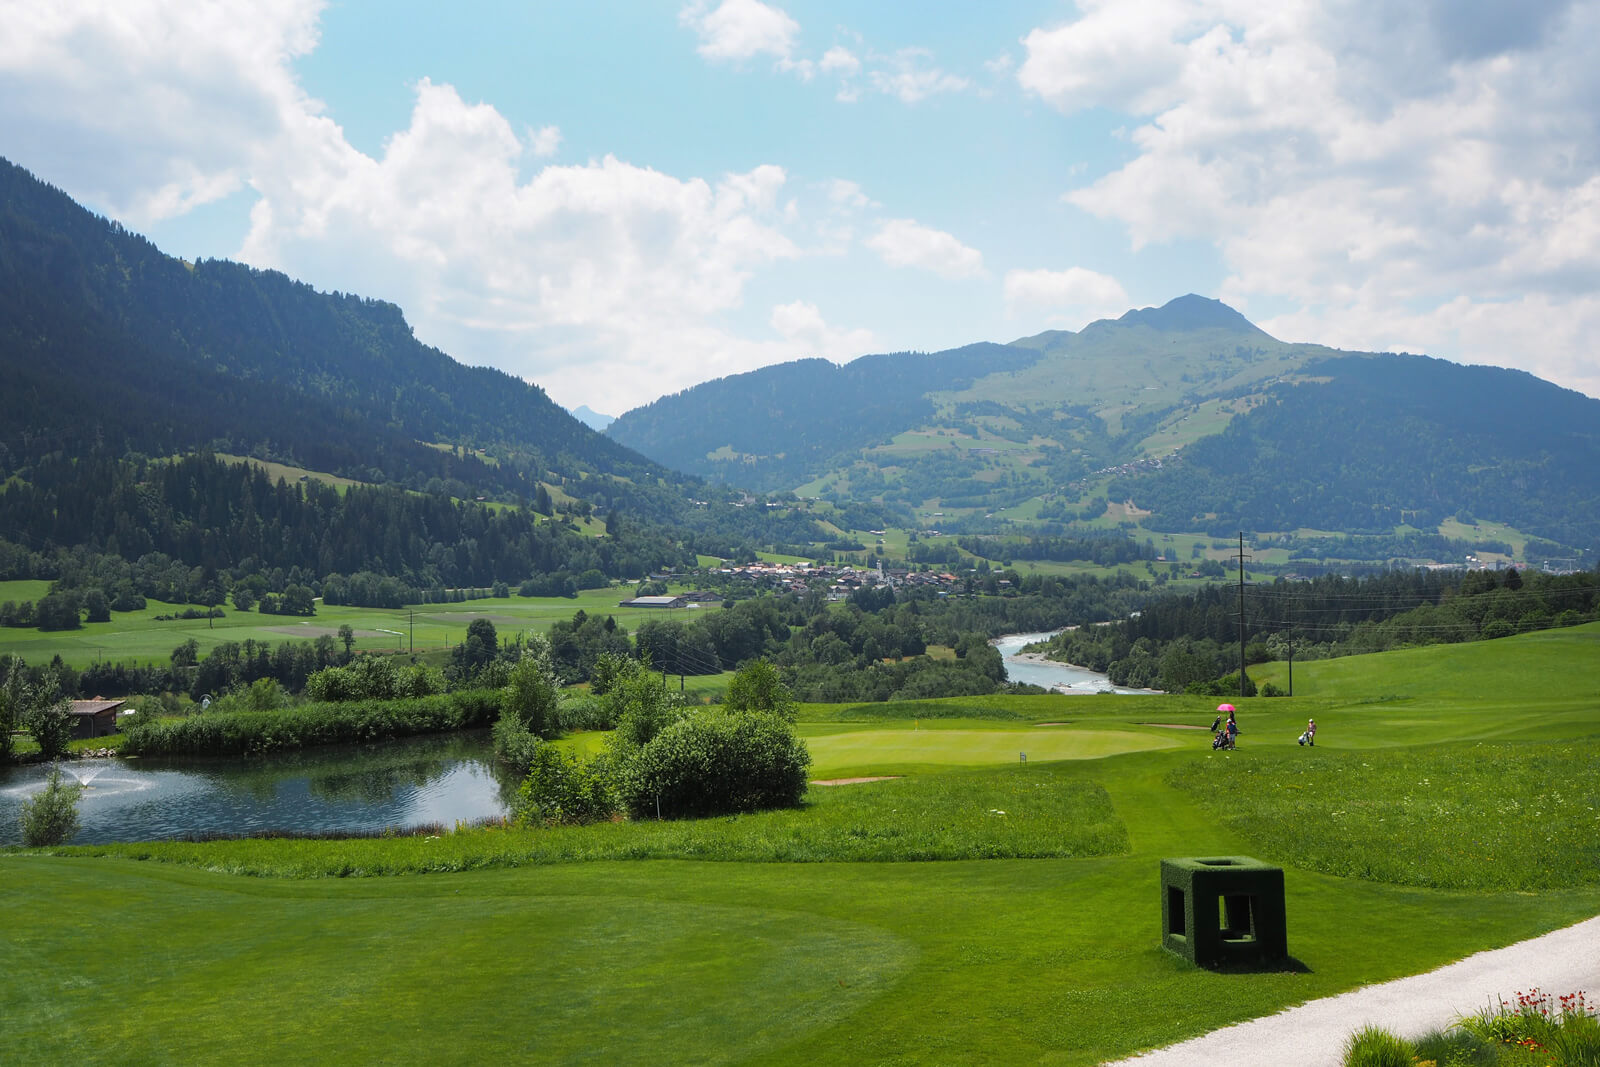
(767, 429)
(181, 530)
(1375, 442)
(107, 342)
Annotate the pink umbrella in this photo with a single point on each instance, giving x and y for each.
(1224, 707)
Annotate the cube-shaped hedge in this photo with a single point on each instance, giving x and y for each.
(1219, 910)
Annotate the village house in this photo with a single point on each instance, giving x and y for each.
(95, 718)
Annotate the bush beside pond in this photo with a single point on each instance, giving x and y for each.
(244, 733)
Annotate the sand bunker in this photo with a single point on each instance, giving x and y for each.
(854, 781)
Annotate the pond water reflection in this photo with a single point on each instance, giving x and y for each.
(404, 784)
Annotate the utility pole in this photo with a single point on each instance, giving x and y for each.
(413, 616)
(1241, 615)
(1291, 667)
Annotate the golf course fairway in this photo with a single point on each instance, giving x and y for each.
(975, 910)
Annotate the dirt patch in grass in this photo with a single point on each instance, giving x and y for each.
(855, 781)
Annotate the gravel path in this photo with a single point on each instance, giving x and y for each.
(1313, 1034)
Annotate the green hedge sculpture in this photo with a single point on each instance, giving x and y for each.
(1223, 910)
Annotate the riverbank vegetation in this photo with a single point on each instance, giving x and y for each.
(1192, 639)
(245, 733)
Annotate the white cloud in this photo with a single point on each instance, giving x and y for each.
(1411, 172)
(839, 60)
(739, 30)
(1075, 295)
(606, 282)
(542, 276)
(545, 141)
(848, 195)
(802, 324)
(743, 29)
(1119, 54)
(906, 243)
(908, 76)
(149, 109)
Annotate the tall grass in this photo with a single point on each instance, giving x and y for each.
(1372, 1047)
(1508, 816)
(999, 814)
(909, 710)
(1539, 1029)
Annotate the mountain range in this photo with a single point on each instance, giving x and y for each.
(1188, 411)
(1187, 416)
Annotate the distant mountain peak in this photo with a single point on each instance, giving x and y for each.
(592, 418)
(1191, 312)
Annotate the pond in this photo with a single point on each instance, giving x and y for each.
(405, 784)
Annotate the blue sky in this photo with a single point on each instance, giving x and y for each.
(620, 200)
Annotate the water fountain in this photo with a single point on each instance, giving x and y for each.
(86, 771)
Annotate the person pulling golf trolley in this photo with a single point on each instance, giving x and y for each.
(1225, 734)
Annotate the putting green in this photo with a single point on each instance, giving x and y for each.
(971, 748)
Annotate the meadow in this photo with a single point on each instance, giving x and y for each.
(140, 636)
(977, 909)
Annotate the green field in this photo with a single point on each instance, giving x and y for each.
(136, 635)
(767, 939)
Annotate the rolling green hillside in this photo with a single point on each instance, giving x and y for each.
(770, 428)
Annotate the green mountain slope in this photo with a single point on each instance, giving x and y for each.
(107, 342)
(1188, 410)
(1382, 440)
(983, 426)
(1144, 364)
(773, 427)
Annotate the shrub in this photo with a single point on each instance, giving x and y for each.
(515, 745)
(562, 790)
(50, 723)
(242, 733)
(757, 687)
(1372, 1047)
(14, 697)
(533, 691)
(374, 678)
(585, 713)
(50, 817)
(716, 763)
(641, 705)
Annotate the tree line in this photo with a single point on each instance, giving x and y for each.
(1191, 639)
